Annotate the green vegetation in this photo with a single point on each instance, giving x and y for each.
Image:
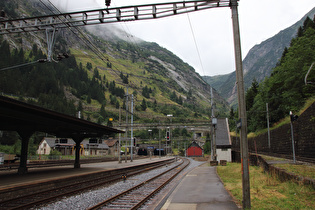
(266, 192)
(285, 89)
(301, 170)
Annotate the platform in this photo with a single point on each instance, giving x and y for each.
(10, 178)
(200, 189)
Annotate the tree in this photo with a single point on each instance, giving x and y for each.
(251, 94)
(102, 111)
(146, 92)
(88, 100)
(89, 65)
(143, 105)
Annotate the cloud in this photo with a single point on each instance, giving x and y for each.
(259, 20)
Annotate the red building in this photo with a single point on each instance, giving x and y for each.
(194, 150)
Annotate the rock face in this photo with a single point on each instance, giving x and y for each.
(259, 61)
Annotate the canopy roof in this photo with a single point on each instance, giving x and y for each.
(19, 116)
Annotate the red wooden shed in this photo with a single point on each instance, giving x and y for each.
(194, 150)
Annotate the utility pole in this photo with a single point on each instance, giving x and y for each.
(293, 118)
(241, 105)
(131, 135)
(214, 122)
(119, 156)
(126, 126)
(268, 126)
(159, 140)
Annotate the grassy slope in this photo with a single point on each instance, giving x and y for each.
(266, 192)
(137, 80)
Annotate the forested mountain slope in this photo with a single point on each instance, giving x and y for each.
(97, 84)
(285, 90)
(258, 63)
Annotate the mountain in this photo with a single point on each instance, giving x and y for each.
(103, 63)
(258, 63)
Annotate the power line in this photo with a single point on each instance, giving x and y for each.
(193, 34)
(24, 64)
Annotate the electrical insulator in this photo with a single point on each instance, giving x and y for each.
(107, 2)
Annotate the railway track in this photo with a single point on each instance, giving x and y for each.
(136, 196)
(45, 196)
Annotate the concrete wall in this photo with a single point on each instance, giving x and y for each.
(224, 154)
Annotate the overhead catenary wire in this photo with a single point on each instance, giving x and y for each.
(85, 39)
(24, 64)
(198, 53)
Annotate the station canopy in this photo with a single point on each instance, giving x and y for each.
(22, 117)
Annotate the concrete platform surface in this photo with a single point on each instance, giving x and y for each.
(200, 189)
(12, 179)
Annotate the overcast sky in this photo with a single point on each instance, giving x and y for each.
(212, 28)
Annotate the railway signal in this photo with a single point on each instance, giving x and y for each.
(167, 135)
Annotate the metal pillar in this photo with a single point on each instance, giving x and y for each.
(268, 126)
(126, 134)
(241, 105)
(159, 141)
(119, 156)
(25, 137)
(50, 35)
(131, 134)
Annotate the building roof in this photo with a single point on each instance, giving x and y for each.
(111, 142)
(19, 116)
(86, 144)
(223, 133)
(50, 141)
(194, 144)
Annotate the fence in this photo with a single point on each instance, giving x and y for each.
(281, 142)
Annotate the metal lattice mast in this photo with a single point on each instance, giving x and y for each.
(106, 15)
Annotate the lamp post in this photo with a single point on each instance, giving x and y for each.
(293, 118)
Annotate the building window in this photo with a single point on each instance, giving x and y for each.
(63, 141)
(45, 144)
(93, 141)
(57, 141)
(224, 149)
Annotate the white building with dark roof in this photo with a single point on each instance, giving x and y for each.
(66, 146)
(223, 140)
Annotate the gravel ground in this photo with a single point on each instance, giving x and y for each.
(91, 198)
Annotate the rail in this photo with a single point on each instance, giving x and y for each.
(136, 196)
(76, 186)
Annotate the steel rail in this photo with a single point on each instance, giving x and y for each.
(107, 15)
(143, 184)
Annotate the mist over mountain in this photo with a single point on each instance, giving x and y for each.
(258, 63)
